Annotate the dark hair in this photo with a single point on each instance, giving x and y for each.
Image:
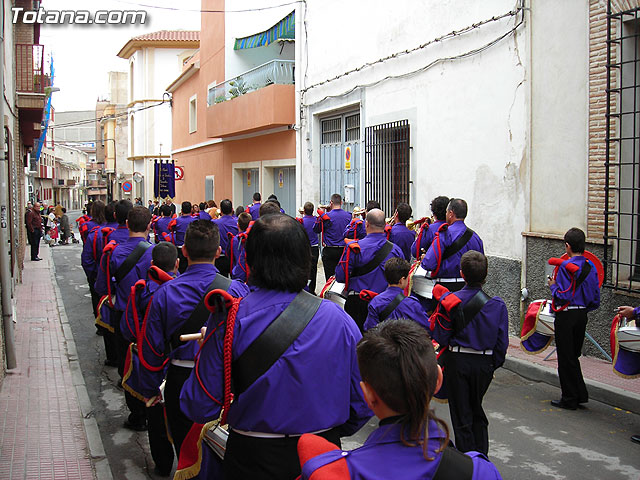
(278, 253)
(474, 267)
(240, 209)
(165, 210)
(398, 362)
(371, 204)
(202, 206)
(394, 269)
(244, 219)
(272, 197)
(211, 204)
(257, 197)
(186, 208)
(458, 207)
(269, 207)
(202, 240)
(308, 208)
(226, 207)
(439, 207)
(110, 211)
(123, 207)
(336, 198)
(404, 212)
(97, 212)
(139, 218)
(576, 239)
(64, 210)
(164, 256)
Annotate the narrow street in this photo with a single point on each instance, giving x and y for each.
(528, 438)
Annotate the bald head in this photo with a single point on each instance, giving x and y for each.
(375, 221)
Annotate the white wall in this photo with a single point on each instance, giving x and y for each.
(560, 108)
(244, 24)
(468, 117)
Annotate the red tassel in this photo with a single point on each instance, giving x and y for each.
(439, 291)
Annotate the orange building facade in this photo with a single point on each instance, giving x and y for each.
(233, 111)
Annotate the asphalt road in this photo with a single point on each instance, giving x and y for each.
(528, 438)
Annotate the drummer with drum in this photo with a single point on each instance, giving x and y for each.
(331, 224)
(630, 313)
(576, 291)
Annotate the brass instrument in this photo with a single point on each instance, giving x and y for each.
(357, 210)
(301, 210)
(325, 207)
(416, 224)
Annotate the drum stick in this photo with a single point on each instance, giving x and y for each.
(150, 401)
(190, 336)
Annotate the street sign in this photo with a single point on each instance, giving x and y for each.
(347, 158)
(179, 172)
(126, 187)
(248, 178)
(281, 178)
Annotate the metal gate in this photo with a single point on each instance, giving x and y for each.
(250, 185)
(284, 187)
(340, 139)
(387, 164)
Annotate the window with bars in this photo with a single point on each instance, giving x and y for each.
(387, 165)
(622, 165)
(332, 131)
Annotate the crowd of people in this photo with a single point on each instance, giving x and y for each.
(211, 316)
(48, 223)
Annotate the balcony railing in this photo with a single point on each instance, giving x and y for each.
(280, 72)
(30, 77)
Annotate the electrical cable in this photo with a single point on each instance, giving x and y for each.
(161, 7)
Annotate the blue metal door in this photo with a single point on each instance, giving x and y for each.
(250, 185)
(284, 187)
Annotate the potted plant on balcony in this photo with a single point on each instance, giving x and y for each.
(238, 87)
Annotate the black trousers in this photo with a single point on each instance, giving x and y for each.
(223, 264)
(179, 424)
(330, 258)
(313, 271)
(35, 243)
(468, 377)
(159, 444)
(357, 309)
(570, 327)
(183, 261)
(95, 297)
(265, 458)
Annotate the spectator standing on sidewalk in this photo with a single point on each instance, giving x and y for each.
(34, 227)
(26, 220)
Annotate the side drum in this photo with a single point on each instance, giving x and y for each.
(546, 320)
(629, 338)
(334, 292)
(421, 283)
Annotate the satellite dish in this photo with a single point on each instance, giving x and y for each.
(137, 177)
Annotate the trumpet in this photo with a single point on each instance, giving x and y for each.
(325, 207)
(301, 211)
(357, 210)
(416, 224)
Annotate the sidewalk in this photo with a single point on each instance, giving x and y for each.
(602, 383)
(46, 427)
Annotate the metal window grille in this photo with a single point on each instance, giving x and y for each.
(386, 154)
(352, 128)
(332, 131)
(622, 164)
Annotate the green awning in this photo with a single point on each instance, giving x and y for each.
(285, 29)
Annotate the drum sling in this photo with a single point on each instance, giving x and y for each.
(469, 311)
(369, 267)
(131, 260)
(384, 314)
(456, 246)
(454, 464)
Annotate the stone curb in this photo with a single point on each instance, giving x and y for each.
(94, 441)
(614, 396)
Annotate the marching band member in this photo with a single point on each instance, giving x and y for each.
(392, 303)
(428, 231)
(89, 256)
(451, 241)
(164, 267)
(477, 337)
(202, 212)
(311, 387)
(361, 266)
(400, 234)
(575, 291)
(399, 378)
(356, 230)
(178, 228)
(172, 310)
(235, 243)
(161, 230)
(227, 224)
(332, 224)
(308, 221)
(254, 208)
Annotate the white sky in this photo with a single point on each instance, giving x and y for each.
(83, 54)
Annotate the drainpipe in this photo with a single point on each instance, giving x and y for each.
(5, 255)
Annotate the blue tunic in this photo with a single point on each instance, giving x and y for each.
(180, 228)
(403, 237)
(383, 456)
(308, 222)
(374, 280)
(450, 267)
(333, 228)
(91, 254)
(588, 292)
(488, 330)
(254, 210)
(314, 385)
(409, 308)
(161, 226)
(355, 230)
(226, 223)
(171, 306)
(427, 238)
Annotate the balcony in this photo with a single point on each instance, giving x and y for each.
(31, 82)
(259, 99)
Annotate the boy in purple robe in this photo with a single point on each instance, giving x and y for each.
(400, 234)
(428, 231)
(399, 378)
(392, 303)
